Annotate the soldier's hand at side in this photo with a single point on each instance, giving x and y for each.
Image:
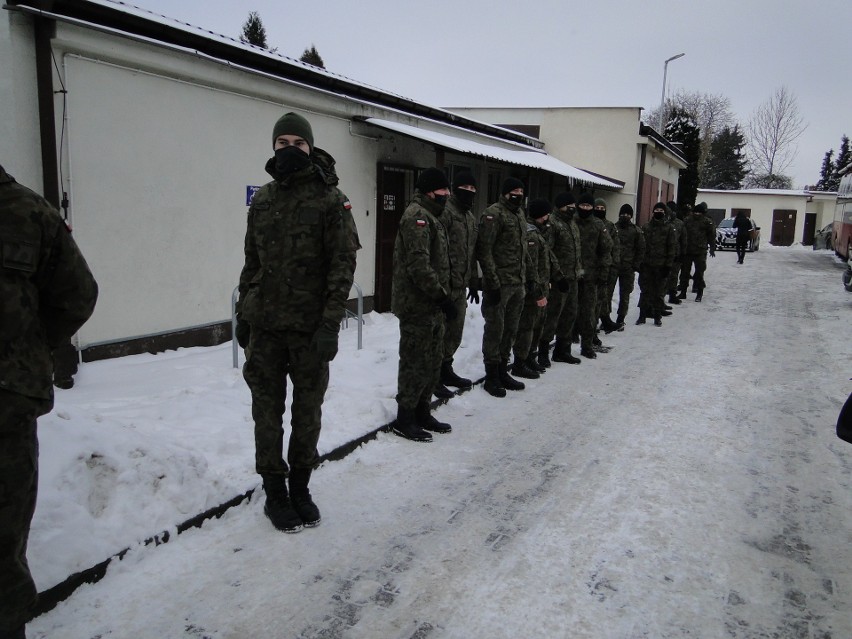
(242, 332)
(472, 295)
(449, 309)
(712, 253)
(324, 342)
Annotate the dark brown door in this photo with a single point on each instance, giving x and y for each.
(810, 229)
(783, 227)
(392, 198)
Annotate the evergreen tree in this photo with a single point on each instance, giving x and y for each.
(726, 166)
(253, 31)
(844, 157)
(826, 173)
(312, 56)
(682, 128)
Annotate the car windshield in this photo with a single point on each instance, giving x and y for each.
(727, 224)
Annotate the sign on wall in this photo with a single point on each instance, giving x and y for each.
(250, 191)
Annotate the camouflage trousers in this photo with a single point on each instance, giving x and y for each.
(272, 357)
(626, 281)
(606, 289)
(530, 327)
(674, 276)
(454, 328)
(18, 490)
(587, 316)
(699, 260)
(561, 314)
(421, 349)
(501, 324)
(652, 287)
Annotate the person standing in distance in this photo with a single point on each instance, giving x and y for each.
(422, 302)
(660, 249)
(700, 237)
(460, 223)
(47, 293)
(631, 254)
(743, 225)
(300, 250)
(501, 249)
(596, 252)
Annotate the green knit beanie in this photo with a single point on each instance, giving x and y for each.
(293, 124)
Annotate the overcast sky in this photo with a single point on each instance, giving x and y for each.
(561, 53)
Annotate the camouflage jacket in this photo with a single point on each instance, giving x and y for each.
(700, 233)
(541, 265)
(300, 250)
(501, 245)
(462, 232)
(615, 251)
(596, 244)
(659, 243)
(47, 291)
(564, 239)
(680, 235)
(421, 263)
(632, 247)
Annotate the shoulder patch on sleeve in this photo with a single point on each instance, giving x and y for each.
(421, 223)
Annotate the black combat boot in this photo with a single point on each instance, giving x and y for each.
(442, 392)
(698, 296)
(544, 354)
(300, 497)
(673, 298)
(619, 321)
(406, 426)
(278, 507)
(665, 313)
(588, 353)
(642, 318)
(562, 353)
(532, 364)
(493, 386)
(520, 369)
(658, 321)
(18, 633)
(608, 325)
(424, 418)
(509, 382)
(449, 377)
(682, 294)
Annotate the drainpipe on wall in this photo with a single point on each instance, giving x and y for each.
(640, 191)
(45, 30)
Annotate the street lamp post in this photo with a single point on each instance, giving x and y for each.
(663, 99)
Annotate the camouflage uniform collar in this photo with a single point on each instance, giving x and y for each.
(429, 204)
(514, 208)
(322, 166)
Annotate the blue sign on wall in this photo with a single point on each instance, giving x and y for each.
(250, 191)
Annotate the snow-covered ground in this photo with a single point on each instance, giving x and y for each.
(689, 483)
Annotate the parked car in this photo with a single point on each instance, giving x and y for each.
(726, 236)
(823, 239)
(847, 277)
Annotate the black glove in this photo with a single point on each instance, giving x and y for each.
(564, 285)
(712, 253)
(472, 295)
(324, 342)
(664, 271)
(449, 309)
(242, 332)
(491, 297)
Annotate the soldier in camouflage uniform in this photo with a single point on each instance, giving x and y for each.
(421, 300)
(680, 236)
(461, 227)
(631, 254)
(660, 246)
(47, 294)
(300, 252)
(501, 251)
(700, 236)
(597, 255)
(561, 314)
(542, 269)
(606, 288)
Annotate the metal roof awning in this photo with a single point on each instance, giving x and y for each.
(523, 156)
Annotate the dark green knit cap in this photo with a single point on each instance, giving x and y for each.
(293, 124)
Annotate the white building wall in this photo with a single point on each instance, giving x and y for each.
(20, 147)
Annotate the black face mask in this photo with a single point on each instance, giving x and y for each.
(600, 215)
(465, 197)
(440, 199)
(659, 215)
(290, 159)
(570, 212)
(584, 213)
(623, 221)
(515, 199)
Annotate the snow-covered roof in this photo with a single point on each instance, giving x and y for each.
(781, 192)
(485, 147)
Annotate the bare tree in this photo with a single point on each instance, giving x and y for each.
(772, 131)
